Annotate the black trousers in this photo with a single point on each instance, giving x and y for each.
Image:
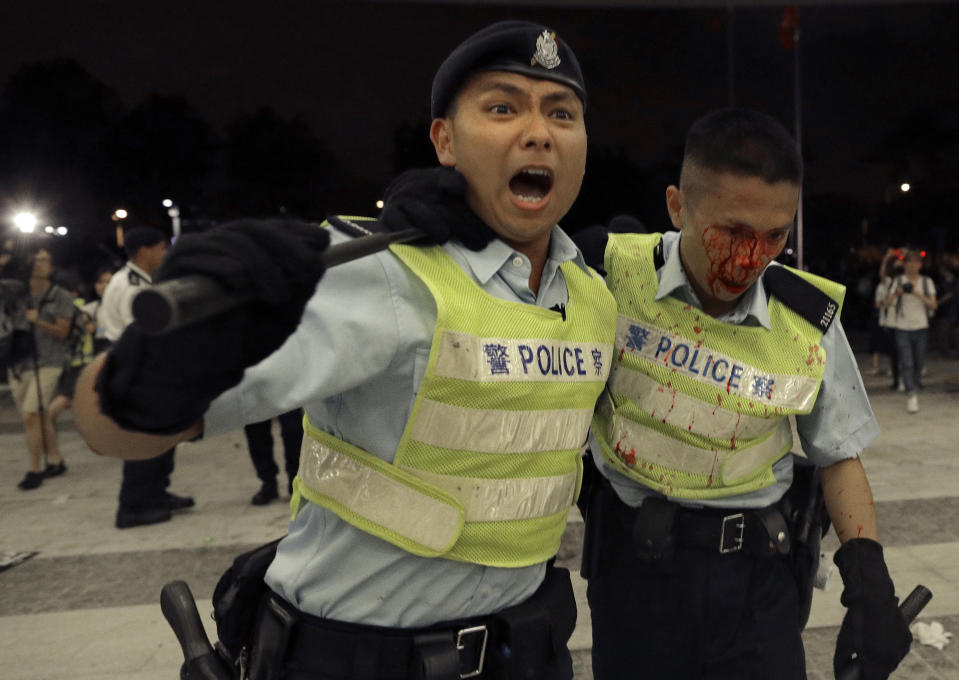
(696, 614)
(259, 438)
(145, 481)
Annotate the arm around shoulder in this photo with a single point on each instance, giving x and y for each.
(107, 438)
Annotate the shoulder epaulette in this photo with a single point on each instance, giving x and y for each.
(801, 296)
(355, 226)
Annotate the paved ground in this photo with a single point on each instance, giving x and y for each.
(86, 605)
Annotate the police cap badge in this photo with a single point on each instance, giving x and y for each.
(516, 46)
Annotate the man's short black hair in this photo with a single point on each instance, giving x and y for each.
(141, 237)
(744, 142)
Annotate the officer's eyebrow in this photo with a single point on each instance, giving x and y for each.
(559, 95)
(502, 86)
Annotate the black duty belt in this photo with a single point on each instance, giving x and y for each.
(530, 638)
(350, 650)
(729, 531)
(658, 522)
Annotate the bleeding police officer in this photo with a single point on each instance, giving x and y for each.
(716, 347)
(447, 389)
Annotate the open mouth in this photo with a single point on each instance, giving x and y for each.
(531, 185)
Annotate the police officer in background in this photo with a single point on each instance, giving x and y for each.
(447, 389)
(716, 346)
(143, 495)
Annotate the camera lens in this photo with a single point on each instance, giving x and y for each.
(907, 287)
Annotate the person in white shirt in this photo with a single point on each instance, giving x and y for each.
(908, 304)
(143, 495)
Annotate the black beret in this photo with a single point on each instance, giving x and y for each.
(142, 237)
(516, 46)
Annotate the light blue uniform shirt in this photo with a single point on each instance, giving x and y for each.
(355, 363)
(840, 425)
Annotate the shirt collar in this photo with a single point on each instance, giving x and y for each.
(140, 272)
(487, 262)
(752, 308)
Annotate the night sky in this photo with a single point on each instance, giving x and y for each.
(355, 71)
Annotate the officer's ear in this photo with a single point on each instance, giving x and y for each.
(441, 134)
(675, 205)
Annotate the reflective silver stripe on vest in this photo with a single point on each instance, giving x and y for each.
(378, 498)
(691, 359)
(468, 357)
(495, 431)
(652, 445)
(496, 500)
(680, 410)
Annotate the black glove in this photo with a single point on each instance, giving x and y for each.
(433, 200)
(162, 384)
(873, 628)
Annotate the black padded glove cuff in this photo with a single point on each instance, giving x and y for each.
(433, 200)
(863, 568)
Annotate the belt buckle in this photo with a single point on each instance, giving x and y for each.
(461, 638)
(736, 536)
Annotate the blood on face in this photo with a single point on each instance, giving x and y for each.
(737, 256)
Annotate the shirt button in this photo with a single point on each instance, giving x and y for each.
(517, 261)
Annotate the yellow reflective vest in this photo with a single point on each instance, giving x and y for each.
(490, 460)
(697, 408)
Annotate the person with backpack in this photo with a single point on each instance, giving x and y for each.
(33, 376)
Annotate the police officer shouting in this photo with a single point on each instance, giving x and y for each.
(447, 389)
(143, 496)
(716, 346)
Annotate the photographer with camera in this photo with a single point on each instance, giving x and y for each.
(47, 312)
(911, 300)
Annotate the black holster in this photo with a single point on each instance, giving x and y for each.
(649, 528)
(237, 598)
(804, 508)
(533, 635)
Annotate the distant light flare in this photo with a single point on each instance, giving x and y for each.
(25, 221)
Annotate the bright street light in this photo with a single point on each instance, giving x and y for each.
(25, 222)
(62, 231)
(119, 214)
(379, 204)
(904, 187)
(49, 229)
(173, 210)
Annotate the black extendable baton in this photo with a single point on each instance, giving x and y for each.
(910, 608)
(182, 301)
